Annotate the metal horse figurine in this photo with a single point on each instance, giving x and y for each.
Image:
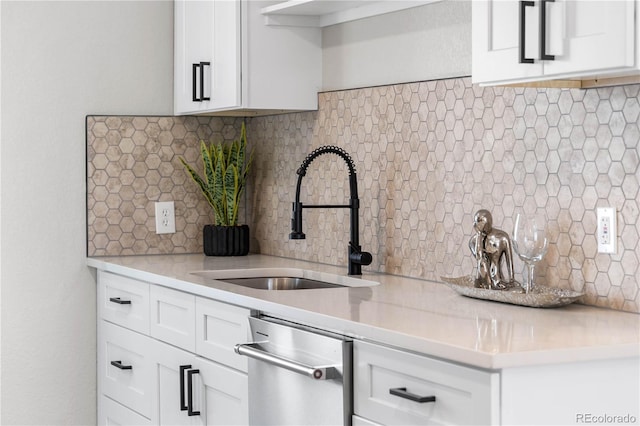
(491, 248)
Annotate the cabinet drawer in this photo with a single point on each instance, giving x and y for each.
(173, 317)
(124, 367)
(462, 395)
(123, 301)
(111, 413)
(219, 327)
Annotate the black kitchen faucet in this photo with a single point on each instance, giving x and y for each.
(356, 257)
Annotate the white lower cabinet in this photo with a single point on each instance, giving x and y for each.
(393, 387)
(165, 357)
(152, 374)
(196, 391)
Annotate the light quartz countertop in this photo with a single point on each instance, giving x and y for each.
(422, 316)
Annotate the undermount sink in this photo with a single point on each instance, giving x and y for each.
(283, 279)
(280, 283)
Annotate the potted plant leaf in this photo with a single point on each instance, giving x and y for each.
(226, 167)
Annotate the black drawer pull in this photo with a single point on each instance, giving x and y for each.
(191, 411)
(402, 393)
(543, 32)
(202, 65)
(194, 80)
(118, 364)
(523, 5)
(198, 71)
(183, 403)
(119, 301)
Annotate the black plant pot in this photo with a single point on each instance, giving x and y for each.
(226, 240)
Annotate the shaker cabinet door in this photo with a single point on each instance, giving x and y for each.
(206, 55)
(533, 40)
(196, 391)
(224, 394)
(496, 41)
(172, 407)
(589, 37)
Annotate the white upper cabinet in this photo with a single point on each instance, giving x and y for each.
(207, 56)
(227, 62)
(524, 41)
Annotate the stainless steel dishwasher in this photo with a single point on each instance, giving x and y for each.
(298, 375)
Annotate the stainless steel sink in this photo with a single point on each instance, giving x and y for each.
(280, 283)
(283, 279)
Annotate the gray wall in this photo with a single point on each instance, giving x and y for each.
(59, 62)
(422, 43)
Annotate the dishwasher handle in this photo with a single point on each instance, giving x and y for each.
(255, 351)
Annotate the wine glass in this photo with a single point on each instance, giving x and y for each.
(530, 241)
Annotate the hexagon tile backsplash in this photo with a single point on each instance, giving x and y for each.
(428, 155)
(133, 162)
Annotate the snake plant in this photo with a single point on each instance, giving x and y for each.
(226, 167)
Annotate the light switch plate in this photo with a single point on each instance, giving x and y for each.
(607, 233)
(165, 217)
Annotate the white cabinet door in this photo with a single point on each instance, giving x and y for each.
(206, 55)
(196, 391)
(496, 41)
(589, 37)
(520, 41)
(224, 394)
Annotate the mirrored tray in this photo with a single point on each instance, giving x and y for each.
(540, 297)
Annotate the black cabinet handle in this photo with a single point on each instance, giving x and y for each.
(523, 6)
(198, 73)
(402, 393)
(119, 301)
(183, 404)
(194, 90)
(118, 364)
(543, 32)
(190, 411)
(202, 65)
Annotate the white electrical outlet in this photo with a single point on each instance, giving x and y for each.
(607, 235)
(165, 217)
